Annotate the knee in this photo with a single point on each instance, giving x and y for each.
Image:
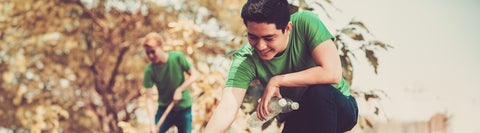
(319, 96)
(321, 90)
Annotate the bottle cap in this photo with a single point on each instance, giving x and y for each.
(282, 102)
(295, 106)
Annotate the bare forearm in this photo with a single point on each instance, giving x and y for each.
(311, 76)
(328, 69)
(148, 96)
(226, 111)
(221, 119)
(185, 84)
(193, 77)
(150, 107)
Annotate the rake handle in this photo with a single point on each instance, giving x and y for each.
(164, 115)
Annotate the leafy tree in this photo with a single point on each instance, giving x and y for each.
(80, 62)
(64, 54)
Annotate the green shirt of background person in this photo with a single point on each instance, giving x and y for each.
(293, 56)
(167, 72)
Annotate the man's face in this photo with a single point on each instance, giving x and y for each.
(153, 51)
(266, 39)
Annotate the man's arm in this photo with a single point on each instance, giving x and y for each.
(226, 111)
(327, 71)
(150, 109)
(193, 77)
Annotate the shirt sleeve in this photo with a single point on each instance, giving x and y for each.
(183, 62)
(147, 77)
(312, 28)
(242, 72)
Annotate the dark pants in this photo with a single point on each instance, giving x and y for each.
(181, 118)
(323, 109)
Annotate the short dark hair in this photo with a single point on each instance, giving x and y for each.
(268, 11)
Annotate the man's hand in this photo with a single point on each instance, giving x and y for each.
(152, 129)
(272, 89)
(177, 96)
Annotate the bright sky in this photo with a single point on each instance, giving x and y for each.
(434, 65)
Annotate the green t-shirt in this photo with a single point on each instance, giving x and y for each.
(168, 78)
(307, 33)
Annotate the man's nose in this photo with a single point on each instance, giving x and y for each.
(150, 56)
(261, 44)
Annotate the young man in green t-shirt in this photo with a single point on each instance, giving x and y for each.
(294, 57)
(166, 72)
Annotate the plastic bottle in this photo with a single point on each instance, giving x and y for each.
(277, 106)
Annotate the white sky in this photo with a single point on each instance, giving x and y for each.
(434, 65)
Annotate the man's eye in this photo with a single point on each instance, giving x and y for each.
(150, 52)
(269, 39)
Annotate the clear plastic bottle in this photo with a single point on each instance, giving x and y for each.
(277, 106)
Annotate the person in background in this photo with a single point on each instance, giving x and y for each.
(293, 56)
(166, 71)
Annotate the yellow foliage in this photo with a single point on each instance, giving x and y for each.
(203, 67)
(19, 95)
(7, 77)
(41, 118)
(126, 127)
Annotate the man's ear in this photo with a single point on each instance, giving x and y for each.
(288, 28)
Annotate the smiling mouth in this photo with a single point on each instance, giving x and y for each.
(152, 59)
(264, 52)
